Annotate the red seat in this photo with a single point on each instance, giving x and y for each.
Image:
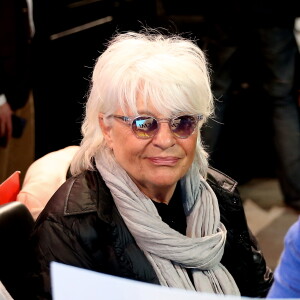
(10, 188)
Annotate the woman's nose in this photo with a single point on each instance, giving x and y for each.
(164, 137)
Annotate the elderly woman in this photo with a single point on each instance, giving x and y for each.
(142, 202)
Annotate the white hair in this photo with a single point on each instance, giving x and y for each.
(168, 70)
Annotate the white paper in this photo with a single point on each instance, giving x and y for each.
(71, 283)
(4, 294)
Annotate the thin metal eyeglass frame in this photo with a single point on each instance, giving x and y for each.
(129, 121)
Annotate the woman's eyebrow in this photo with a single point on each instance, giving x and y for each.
(145, 112)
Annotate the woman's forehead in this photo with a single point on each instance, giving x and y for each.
(167, 97)
(143, 106)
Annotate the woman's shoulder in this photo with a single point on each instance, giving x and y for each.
(216, 177)
(77, 195)
(229, 200)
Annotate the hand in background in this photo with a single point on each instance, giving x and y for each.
(5, 121)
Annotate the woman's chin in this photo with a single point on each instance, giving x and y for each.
(164, 181)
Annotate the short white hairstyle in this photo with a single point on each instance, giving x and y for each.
(169, 71)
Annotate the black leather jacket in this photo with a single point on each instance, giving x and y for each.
(81, 226)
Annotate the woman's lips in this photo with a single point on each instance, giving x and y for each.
(164, 161)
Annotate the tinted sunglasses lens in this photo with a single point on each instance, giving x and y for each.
(144, 127)
(183, 126)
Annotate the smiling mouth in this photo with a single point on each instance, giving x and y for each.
(164, 161)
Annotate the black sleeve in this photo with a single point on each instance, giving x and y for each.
(242, 256)
(53, 240)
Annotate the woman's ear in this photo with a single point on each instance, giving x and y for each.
(106, 130)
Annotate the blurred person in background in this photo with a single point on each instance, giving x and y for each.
(255, 42)
(15, 80)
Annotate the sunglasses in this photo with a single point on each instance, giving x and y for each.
(145, 127)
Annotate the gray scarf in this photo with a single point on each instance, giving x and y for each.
(169, 252)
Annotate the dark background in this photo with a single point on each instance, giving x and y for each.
(63, 64)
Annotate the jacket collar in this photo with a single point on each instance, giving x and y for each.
(224, 181)
(93, 193)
